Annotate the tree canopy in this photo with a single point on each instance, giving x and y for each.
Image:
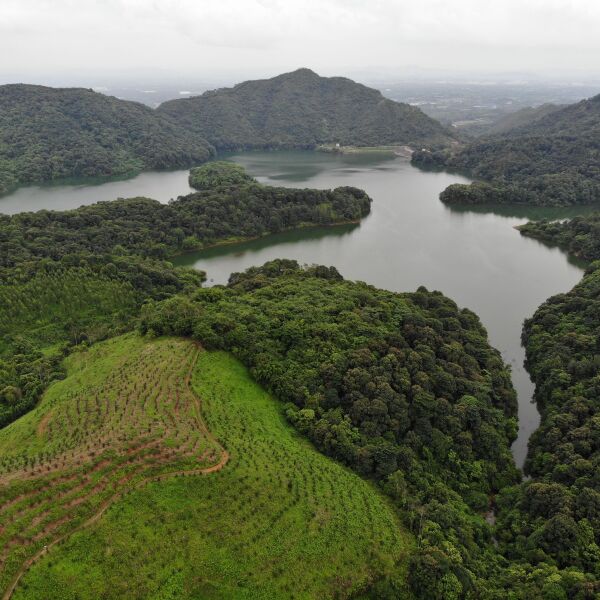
(51, 133)
(302, 110)
(553, 160)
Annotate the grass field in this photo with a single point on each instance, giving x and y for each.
(280, 520)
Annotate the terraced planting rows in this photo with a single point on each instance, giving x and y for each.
(124, 415)
(280, 521)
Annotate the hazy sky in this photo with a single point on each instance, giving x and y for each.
(205, 38)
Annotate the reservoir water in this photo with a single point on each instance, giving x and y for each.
(410, 239)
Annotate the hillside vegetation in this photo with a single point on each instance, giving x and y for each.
(553, 161)
(302, 110)
(280, 520)
(49, 133)
(124, 415)
(555, 516)
(404, 388)
(48, 307)
(80, 276)
(523, 117)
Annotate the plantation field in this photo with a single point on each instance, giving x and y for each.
(52, 307)
(124, 415)
(280, 520)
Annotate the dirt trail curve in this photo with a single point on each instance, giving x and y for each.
(108, 503)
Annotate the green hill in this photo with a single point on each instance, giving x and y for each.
(554, 160)
(403, 388)
(522, 117)
(302, 110)
(49, 133)
(270, 518)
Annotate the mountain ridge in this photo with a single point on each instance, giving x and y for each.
(303, 109)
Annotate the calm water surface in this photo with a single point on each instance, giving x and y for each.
(160, 185)
(409, 239)
(412, 239)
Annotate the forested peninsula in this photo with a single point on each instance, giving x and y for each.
(552, 161)
(580, 235)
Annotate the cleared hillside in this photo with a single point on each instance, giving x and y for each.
(280, 520)
(123, 416)
(302, 110)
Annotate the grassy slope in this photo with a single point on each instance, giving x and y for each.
(279, 521)
(124, 414)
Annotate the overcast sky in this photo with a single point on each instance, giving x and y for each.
(231, 38)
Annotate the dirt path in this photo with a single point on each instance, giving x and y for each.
(110, 501)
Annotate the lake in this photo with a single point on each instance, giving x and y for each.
(410, 239)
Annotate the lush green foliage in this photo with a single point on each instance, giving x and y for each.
(580, 235)
(279, 521)
(77, 276)
(206, 217)
(402, 387)
(302, 110)
(48, 307)
(48, 133)
(555, 517)
(219, 174)
(553, 161)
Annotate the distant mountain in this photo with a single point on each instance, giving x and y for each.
(48, 133)
(523, 117)
(302, 109)
(553, 160)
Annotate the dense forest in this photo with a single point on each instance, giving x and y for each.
(552, 161)
(302, 110)
(555, 516)
(81, 275)
(404, 388)
(579, 235)
(219, 213)
(49, 133)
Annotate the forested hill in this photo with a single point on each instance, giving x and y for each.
(403, 388)
(554, 160)
(302, 109)
(49, 133)
(524, 117)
